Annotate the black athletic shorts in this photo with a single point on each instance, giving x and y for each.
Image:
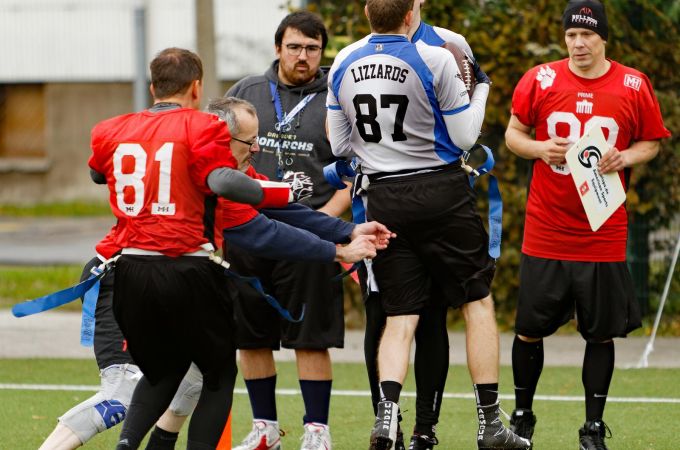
(109, 344)
(440, 240)
(600, 294)
(293, 284)
(173, 311)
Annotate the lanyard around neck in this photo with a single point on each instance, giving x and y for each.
(284, 119)
(283, 123)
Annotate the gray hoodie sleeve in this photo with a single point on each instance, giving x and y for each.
(235, 186)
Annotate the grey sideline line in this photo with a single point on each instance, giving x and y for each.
(353, 393)
(57, 335)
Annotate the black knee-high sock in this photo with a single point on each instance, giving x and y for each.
(390, 391)
(431, 367)
(598, 367)
(486, 394)
(527, 365)
(148, 403)
(375, 323)
(212, 410)
(316, 395)
(262, 394)
(161, 439)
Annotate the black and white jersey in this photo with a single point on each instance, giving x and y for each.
(397, 105)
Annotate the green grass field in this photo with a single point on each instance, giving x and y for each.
(19, 283)
(27, 417)
(71, 209)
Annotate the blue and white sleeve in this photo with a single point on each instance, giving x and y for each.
(338, 126)
(463, 120)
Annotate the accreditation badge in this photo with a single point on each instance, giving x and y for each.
(600, 194)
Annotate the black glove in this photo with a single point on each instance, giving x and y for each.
(480, 76)
(300, 185)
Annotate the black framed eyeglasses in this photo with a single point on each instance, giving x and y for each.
(249, 144)
(296, 49)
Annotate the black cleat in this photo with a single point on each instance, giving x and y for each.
(522, 423)
(384, 433)
(593, 434)
(492, 434)
(399, 444)
(422, 442)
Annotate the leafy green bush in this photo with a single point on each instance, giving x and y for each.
(510, 36)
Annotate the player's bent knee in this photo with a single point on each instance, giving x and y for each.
(106, 408)
(188, 393)
(480, 310)
(93, 416)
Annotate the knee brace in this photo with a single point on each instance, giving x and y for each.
(108, 406)
(188, 393)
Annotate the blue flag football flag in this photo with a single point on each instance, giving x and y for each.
(55, 299)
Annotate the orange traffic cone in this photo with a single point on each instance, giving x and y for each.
(225, 440)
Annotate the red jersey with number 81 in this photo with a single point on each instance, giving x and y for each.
(156, 166)
(558, 103)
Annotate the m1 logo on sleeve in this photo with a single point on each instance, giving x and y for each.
(632, 81)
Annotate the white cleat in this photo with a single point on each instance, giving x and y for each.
(317, 437)
(265, 435)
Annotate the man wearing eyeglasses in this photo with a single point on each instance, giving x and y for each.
(290, 101)
(241, 118)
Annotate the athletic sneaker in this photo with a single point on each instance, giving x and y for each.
(316, 437)
(593, 434)
(384, 433)
(265, 435)
(422, 442)
(492, 434)
(522, 423)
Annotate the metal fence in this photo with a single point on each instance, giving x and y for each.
(650, 252)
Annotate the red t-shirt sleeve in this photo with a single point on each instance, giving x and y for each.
(649, 126)
(234, 214)
(95, 140)
(275, 196)
(209, 150)
(524, 98)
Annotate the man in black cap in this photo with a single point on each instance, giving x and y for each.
(567, 269)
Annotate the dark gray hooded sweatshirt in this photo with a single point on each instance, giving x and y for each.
(305, 147)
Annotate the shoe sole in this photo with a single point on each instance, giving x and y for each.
(381, 443)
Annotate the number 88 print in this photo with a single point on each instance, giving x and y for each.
(575, 131)
(135, 180)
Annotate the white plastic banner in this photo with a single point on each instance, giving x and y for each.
(601, 194)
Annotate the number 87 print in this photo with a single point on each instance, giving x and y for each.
(368, 119)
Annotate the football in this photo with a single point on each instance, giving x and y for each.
(464, 66)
